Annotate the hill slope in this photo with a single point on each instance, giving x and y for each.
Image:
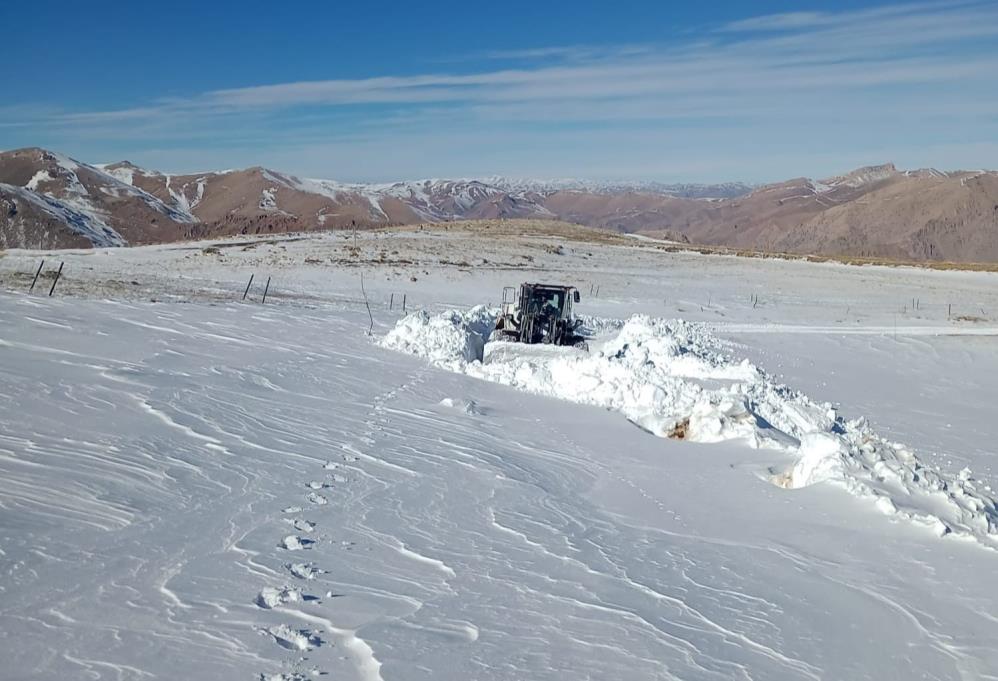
(54, 201)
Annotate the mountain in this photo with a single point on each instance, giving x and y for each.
(724, 190)
(916, 216)
(257, 197)
(877, 211)
(48, 200)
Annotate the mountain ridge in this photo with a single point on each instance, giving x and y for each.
(48, 200)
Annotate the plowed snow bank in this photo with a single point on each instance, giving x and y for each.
(671, 378)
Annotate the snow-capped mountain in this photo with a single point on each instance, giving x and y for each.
(724, 190)
(49, 200)
(53, 200)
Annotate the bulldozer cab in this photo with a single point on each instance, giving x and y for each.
(539, 313)
(549, 301)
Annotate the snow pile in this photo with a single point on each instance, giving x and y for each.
(671, 378)
(270, 597)
(294, 543)
(452, 339)
(598, 326)
(467, 406)
(294, 639)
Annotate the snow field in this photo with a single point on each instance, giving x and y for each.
(154, 457)
(670, 379)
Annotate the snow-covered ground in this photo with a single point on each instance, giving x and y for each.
(199, 487)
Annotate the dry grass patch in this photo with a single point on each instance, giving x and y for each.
(855, 260)
(554, 229)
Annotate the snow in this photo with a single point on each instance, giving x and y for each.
(685, 190)
(38, 178)
(180, 200)
(658, 374)
(493, 514)
(72, 203)
(79, 217)
(294, 639)
(178, 213)
(333, 190)
(430, 199)
(271, 597)
(267, 200)
(864, 176)
(124, 174)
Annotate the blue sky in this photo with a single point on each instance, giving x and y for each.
(625, 90)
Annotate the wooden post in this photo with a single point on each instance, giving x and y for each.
(403, 303)
(265, 289)
(246, 292)
(949, 312)
(370, 329)
(56, 280)
(391, 302)
(40, 266)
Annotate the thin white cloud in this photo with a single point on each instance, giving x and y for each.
(779, 22)
(789, 21)
(896, 45)
(911, 62)
(576, 53)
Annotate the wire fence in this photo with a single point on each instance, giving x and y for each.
(260, 288)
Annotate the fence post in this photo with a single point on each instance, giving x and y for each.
(391, 302)
(370, 329)
(403, 303)
(33, 281)
(265, 289)
(56, 281)
(246, 292)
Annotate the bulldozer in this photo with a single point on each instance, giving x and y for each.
(539, 313)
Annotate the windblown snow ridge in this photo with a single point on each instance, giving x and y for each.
(671, 378)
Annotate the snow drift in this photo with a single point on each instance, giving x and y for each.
(671, 378)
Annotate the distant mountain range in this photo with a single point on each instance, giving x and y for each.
(48, 200)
